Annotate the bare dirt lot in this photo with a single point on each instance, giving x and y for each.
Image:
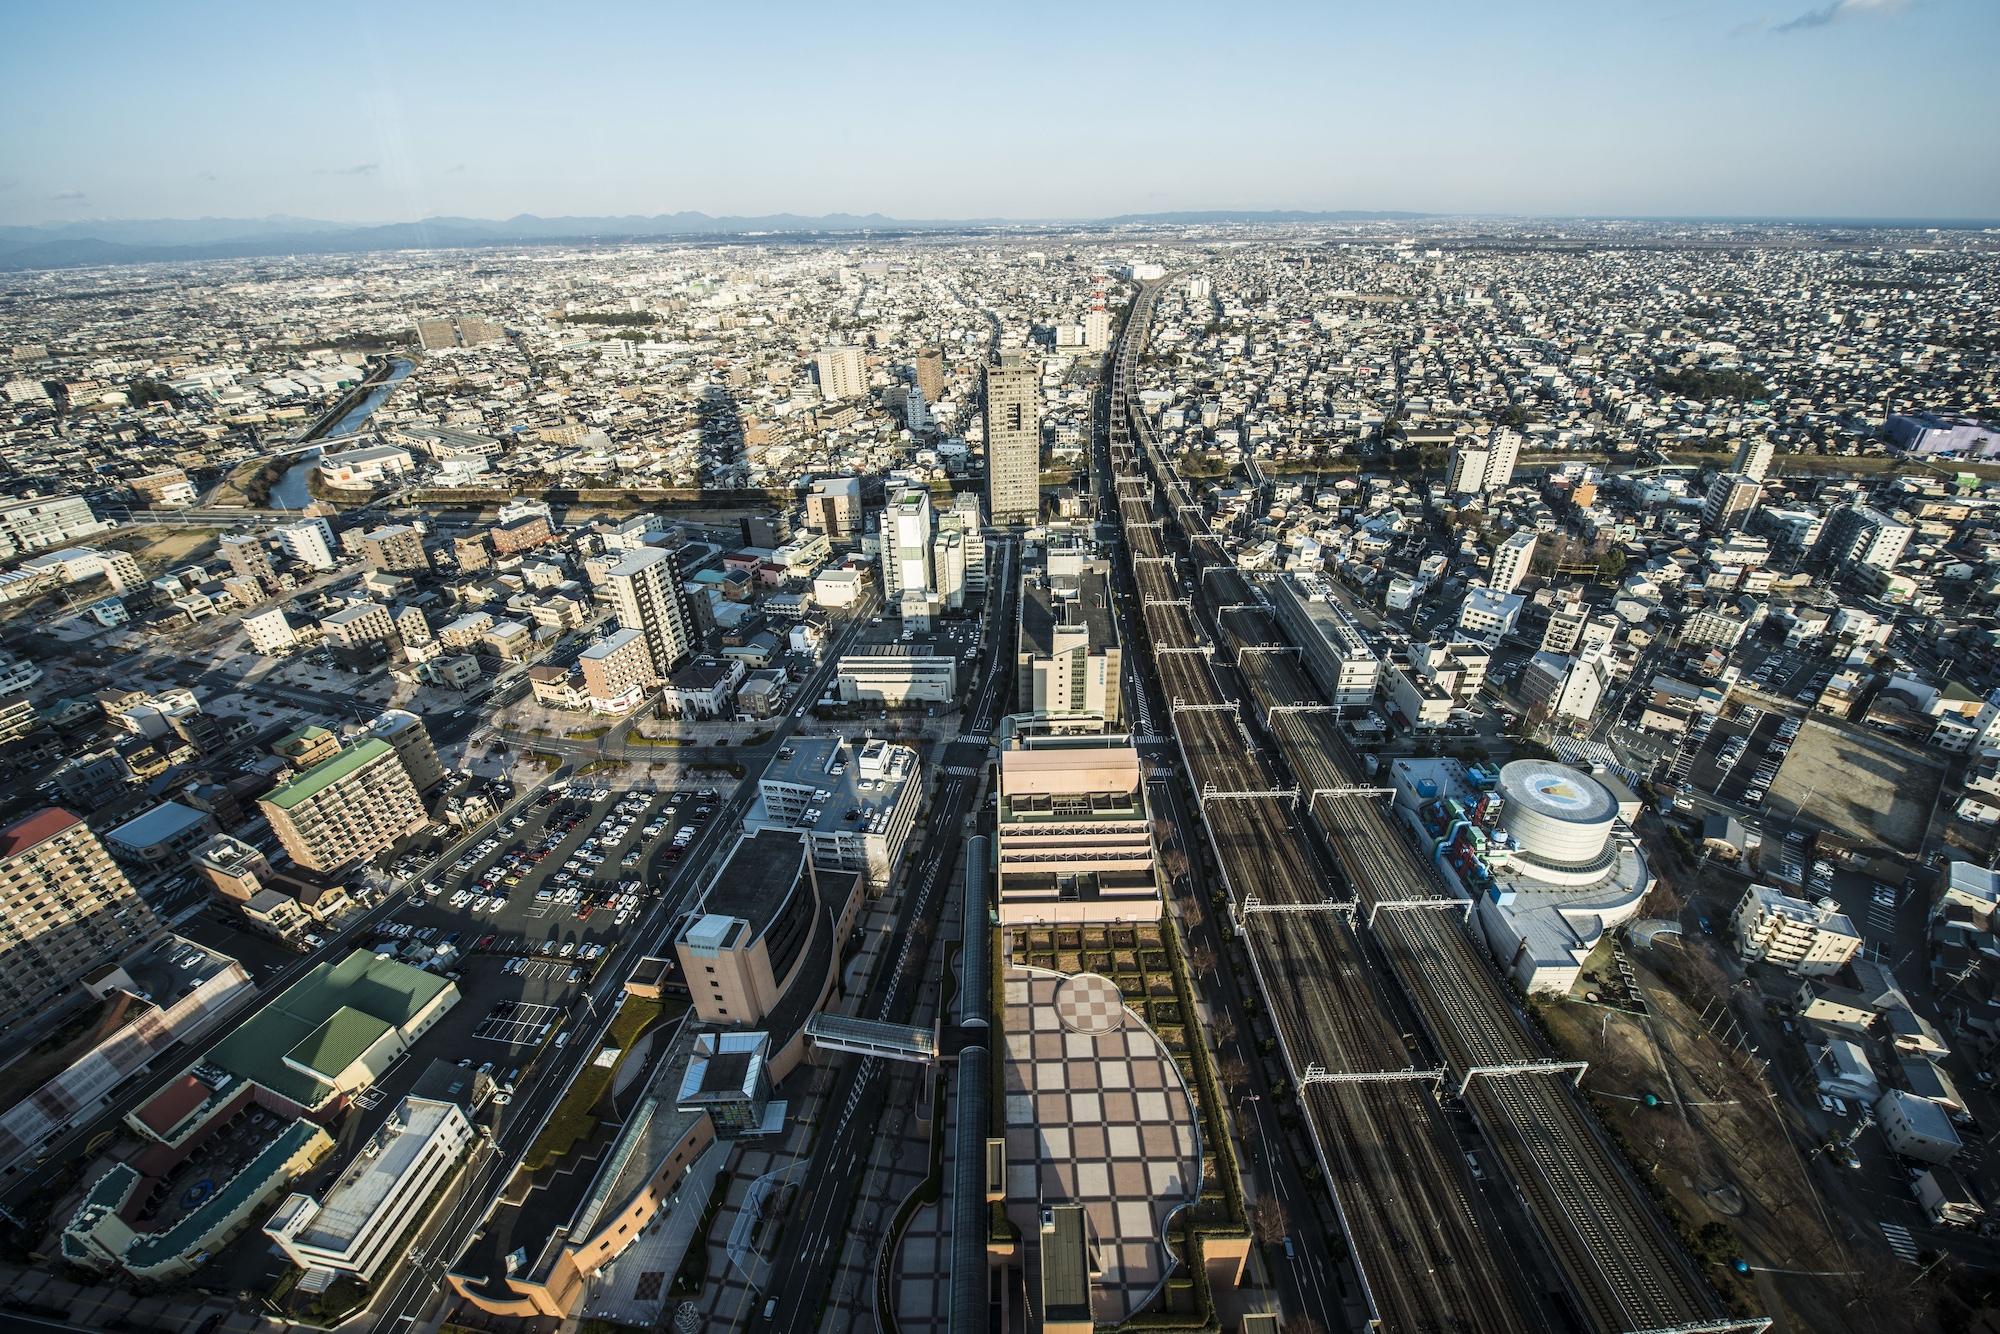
(1858, 785)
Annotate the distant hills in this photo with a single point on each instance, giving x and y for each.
(140, 241)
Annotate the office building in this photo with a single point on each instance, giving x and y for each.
(617, 672)
(646, 594)
(843, 373)
(41, 522)
(397, 548)
(1068, 662)
(411, 740)
(1860, 536)
(766, 934)
(66, 909)
(1808, 939)
(1336, 652)
(345, 809)
(353, 1228)
(897, 675)
(930, 374)
(309, 544)
(855, 803)
(1729, 503)
(1753, 458)
(1013, 440)
(1074, 839)
(1512, 560)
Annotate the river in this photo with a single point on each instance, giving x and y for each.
(291, 491)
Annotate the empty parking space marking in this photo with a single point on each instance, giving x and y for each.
(521, 1025)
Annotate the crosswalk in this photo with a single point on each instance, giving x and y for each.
(1900, 1241)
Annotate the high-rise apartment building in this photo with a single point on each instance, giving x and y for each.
(345, 809)
(1731, 499)
(1013, 440)
(930, 374)
(906, 548)
(1753, 458)
(411, 740)
(1097, 329)
(646, 593)
(248, 559)
(1502, 454)
(916, 413)
(1511, 561)
(66, 909)
(617, 671)
(1861, 535)
(842, 373)
(436, 333)
(270, 631)
(397, 548)
(833, 506)
(309, 543)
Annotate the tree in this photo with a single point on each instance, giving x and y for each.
(1235, 1074)
(1268, 1220)
(1201, 959)
(1222, 1028)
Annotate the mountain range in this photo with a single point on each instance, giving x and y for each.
(60, 245)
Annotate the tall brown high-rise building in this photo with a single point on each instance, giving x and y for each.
(930, 374)
(66, 909)
(1013, 440)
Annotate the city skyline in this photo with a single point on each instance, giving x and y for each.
(1698, 109)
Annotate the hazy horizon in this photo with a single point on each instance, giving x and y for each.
(1695, 109)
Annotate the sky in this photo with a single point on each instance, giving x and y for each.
(367, 113)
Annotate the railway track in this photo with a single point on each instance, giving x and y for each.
(1427, 1252)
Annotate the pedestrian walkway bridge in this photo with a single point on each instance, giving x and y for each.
(869, 1037)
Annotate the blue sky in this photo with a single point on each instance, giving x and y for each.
(1636, 107)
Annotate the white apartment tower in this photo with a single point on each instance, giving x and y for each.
(309, 543)
(1511, 560)
(906, 547)
(646, 593)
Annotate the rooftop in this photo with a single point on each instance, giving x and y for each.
(328, 772)
(388, 1155)
(157, 825)
(23, 834)
(759, 878)
(384, 989)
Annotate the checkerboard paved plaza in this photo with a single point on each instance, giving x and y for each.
(1095, 1113)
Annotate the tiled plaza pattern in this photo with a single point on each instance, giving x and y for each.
(1099, 1118)
(1088, 1003)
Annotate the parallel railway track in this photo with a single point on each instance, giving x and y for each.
(1426, 1247)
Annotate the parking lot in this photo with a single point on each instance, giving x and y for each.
(1736, 757)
